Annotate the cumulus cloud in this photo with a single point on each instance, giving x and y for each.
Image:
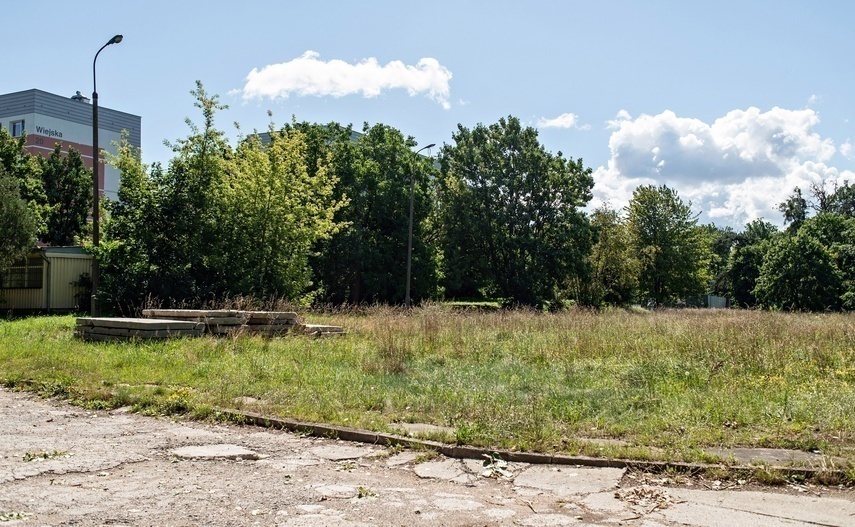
(847, 149)
(310, 76)
(565, 120)
(734, 170)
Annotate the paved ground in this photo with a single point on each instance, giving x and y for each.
(61, 465)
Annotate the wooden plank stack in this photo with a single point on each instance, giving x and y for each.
(100, 328)
(217, 322)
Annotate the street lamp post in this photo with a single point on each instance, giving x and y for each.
(407, 300)
(96, 191)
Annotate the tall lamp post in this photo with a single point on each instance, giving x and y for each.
(96, 191)
(407, 300)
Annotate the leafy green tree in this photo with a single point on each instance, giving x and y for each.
(274, 211)
(798, 273)
(613, 263)
(674, 250)
(836, 232)
(746, 259)
(162, 239)
(511, 214)
(136, 254)
(67, 187)
(17, 228)
(722, 242)
(794, 209)
(218, 221)
(366, 260)
(24, 169)
(840, 199)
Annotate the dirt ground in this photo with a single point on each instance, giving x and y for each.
(63, 465)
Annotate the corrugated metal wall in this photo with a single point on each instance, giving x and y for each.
(65, 269)
(24, 298)
(66, 266)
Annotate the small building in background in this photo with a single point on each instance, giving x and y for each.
(51, 279)
(48, 119)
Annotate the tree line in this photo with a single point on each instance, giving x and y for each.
(314, 213)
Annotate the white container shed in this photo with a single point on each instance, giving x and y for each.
(43, 281)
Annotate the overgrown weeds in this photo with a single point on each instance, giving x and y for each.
(665, 384)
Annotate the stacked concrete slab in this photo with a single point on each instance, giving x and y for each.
(319, 330)
(270, 322)
(217, 322)
(98, 328)
(224, 322)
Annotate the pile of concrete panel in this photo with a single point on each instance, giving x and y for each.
(270, 322)
(217, 322)
(98, 328)
(229, 322)
(320, 330)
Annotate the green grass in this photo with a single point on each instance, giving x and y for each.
(667, 384)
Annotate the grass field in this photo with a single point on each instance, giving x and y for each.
(666, 384)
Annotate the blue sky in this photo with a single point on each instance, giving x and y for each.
(731, 103)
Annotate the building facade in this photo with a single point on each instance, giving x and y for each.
(48, 119)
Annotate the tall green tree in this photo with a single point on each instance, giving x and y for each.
(614, 265)
(24, 169)
(67, 187)
(218, 221)
(722, 242)
(274, 211)
(746, 259)
(794, 209)
(511, 214)
(674, 250)
(799, 274)
(366, 260)
(136, 254)
(17, 228)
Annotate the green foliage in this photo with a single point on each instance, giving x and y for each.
(839, 200)
(24, 169)
(510, 215)
(722, 242)
(674, 251)
(273, 212)
(366, 260)
(614, 265)
(799, 273)
(67, 187)
(794, 209)
(17, 228)
(746, 259)
(217, 222)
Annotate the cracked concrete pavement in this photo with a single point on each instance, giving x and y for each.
(63, 465)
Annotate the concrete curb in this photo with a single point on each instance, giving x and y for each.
(472, 452)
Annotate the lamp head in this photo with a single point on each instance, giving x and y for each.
(115, 40)
(431, 145)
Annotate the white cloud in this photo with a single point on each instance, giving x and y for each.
(734, 170)
(621, 116)
(814, 99)
(565, 120)
(310, 76)
(847, 149)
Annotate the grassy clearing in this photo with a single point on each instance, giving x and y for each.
(666, 384)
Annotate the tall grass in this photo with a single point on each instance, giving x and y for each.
(668, 383)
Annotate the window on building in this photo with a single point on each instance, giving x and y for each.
(17, 128)
(23, 274)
